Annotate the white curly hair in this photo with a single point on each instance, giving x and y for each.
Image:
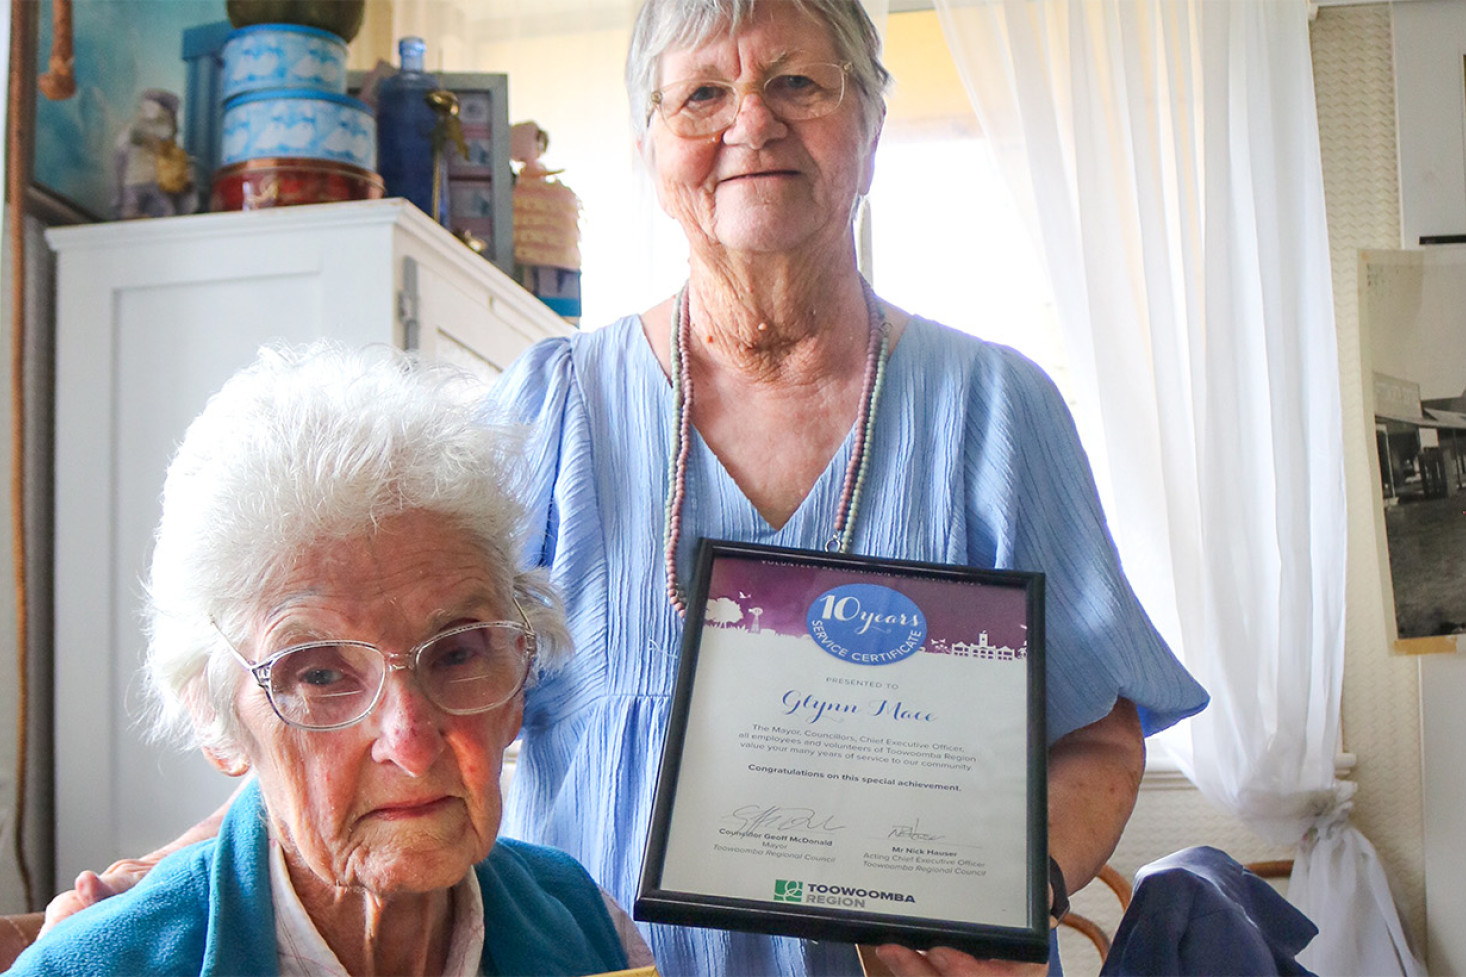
(305, 445)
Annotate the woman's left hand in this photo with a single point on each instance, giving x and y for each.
(91, 888)
(942, 961)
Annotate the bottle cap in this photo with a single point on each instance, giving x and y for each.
(412, 50)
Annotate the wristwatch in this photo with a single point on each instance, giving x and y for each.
(1059, 908)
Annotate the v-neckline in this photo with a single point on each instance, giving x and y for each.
(837, 462)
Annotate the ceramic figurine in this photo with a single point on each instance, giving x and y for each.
(154, 177)
(546, 225)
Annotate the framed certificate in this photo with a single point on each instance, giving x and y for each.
(856, 752)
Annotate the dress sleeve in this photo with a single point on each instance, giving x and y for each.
(544, 391)
(536, 392)
(1099, 643)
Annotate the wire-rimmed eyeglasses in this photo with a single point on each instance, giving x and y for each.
(325, 685)
(702, 107)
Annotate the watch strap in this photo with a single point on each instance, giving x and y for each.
(1059, 907)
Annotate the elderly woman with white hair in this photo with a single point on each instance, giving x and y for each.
(334, 605)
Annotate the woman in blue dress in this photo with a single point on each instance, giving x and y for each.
(777, 400)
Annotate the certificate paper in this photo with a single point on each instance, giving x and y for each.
(856, 752)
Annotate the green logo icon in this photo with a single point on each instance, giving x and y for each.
(786, 890)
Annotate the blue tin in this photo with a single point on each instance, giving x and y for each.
(300, 124)
(267, 56)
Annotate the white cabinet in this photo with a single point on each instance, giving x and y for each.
(152, 317)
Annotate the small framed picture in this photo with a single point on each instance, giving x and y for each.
(481, 185)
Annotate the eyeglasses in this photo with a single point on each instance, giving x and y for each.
(334, 684)
(703, 107)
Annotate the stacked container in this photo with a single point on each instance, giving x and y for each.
(290, 133)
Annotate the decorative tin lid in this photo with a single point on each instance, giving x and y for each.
(240, 32)
(281, 94)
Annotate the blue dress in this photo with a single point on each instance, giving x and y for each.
(975, 461)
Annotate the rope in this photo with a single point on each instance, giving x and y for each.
(17, 177)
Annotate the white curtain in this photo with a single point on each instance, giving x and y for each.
(1167, 154)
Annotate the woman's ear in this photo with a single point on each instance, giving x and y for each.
(514, 720)
(646, 154)
(220, 741)
(227, 762)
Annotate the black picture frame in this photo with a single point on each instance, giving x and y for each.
(689, 785)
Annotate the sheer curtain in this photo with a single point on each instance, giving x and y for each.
(1166, 152)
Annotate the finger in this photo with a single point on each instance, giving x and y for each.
(91, 888)
(905, 962)
(954, 963)
(59, 908)
(123, 875)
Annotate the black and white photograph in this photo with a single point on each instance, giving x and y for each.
(1411, 309)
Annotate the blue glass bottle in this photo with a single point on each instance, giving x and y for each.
(405, 123)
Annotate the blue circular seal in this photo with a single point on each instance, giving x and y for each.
(866, 624)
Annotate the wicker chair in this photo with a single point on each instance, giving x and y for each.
(1120, 886)
(17, 933)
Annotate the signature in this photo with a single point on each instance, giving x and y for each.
(912, 832)
(757, 819)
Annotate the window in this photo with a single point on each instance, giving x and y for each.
(948, 244)
(947, 240)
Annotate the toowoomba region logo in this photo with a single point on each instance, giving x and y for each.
(786, 890)
(866, 624)
(820, 894)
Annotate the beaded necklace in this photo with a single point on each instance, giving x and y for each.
(878, 351)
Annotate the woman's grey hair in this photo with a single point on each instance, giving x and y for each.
(307, 445)
(666, 24)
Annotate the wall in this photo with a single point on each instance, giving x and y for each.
(1353, 71)
(9, 884)
(12, 897)
(1430, 40)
